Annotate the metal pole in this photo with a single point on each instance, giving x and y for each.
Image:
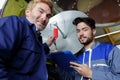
(114, 32)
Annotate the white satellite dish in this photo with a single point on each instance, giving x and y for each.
(67, 37)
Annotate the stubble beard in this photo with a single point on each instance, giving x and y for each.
(88, 41)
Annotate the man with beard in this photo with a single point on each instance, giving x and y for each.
(97, 61)
(22, 53)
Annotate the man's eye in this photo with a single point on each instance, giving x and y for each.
(41, 11)
(85, 29)
(49, 16)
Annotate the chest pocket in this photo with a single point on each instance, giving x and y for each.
(101, 67)
(28, 55)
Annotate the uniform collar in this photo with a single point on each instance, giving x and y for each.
(95, 45)
(31, 25)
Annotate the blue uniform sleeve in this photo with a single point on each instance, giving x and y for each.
(114, 71)
(46, 48)
(8, 34)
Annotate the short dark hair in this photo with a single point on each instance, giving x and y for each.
(89, 21)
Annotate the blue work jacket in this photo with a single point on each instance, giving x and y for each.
(22, 56)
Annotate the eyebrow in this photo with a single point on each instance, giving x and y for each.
(45, 11)
(42, 9)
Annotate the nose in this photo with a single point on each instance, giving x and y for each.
(44, 17)
(80, 33)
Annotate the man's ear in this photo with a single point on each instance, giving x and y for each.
(94, 31)
(27, 12)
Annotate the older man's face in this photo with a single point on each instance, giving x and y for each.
(39, 15)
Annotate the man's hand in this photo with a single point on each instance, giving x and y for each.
(50, 41)
(82, 69)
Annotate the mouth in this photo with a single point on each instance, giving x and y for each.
(82, 39)
(39, 23)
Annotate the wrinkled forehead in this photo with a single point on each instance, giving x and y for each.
(33, 3)
(82, 25)
(44, 7)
